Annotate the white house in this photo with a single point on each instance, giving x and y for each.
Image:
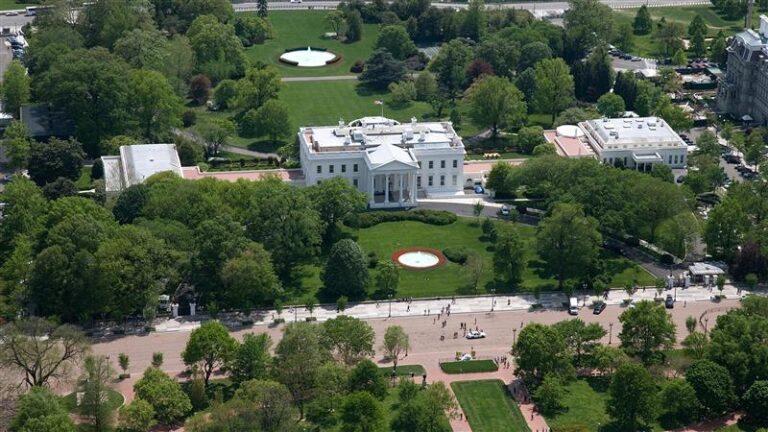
(392, 162)
(637, 143)
(138, 162)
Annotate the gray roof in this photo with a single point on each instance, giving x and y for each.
(136, 163)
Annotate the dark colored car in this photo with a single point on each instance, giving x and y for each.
(669, 303)
(599, 308)
(732, 159)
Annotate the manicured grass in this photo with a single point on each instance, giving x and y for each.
(295, 29)
(585, 402)
(404, 370)
(14, 5)
(115, 400)
(488, 407)
(471, 366)
(84, 182)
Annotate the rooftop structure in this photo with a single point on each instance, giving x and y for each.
(744, 88)
(569, 142)
(392, 162)
(136, 163)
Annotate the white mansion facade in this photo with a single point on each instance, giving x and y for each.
(393, 163)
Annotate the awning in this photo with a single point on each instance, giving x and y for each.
(705, 269)
(647, 158)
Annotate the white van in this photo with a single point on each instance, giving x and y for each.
(573, 308)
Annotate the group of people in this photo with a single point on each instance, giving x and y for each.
(502, 361)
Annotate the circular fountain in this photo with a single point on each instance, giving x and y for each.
(418, 258)
(307, 57)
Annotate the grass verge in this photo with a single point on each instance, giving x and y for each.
(471, 366)
(487, 406)
(404, 370)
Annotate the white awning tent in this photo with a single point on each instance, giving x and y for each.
(706, 271)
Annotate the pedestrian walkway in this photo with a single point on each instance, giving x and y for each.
(458, 305)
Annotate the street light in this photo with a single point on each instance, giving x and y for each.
(493, 296)
(514, 337)
(295, 314)
(706, 325)
(390, 304)
(610, 333)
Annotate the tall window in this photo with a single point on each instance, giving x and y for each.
(354, 182)
(429, 183)
(343, 168)
(431, 164)
(453, 180)
(354, 168)
(319, 169)
(330, 169)
(455, 163)
(442, 164)
(442, 180)
(418, 181)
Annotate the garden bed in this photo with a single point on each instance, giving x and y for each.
(471, 366)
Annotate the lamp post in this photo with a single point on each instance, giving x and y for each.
(389, 296)
(514, 338)
(493, 297)
(706, 325)
(610, 333)
(295, 314)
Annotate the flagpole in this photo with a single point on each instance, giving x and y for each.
(382, 107)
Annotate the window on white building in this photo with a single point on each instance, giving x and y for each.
(453, 180)
(455, 163)
(319, 169)
(418, 181)
(442, 164)
(343, 168)
(670, 159)
(354, 182)
(431, 164)
(330, 169)
(354, 168)
(429, 183)
(319, 181)
(442, 180)
(675, 159)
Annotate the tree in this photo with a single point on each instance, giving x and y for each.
(215, 134)
(755, 402)
(252, 359)
(732, 345)
(695, 345)
(495, 102)
(361, 412)
(529, 137)
(625, 37)
(554, 87)
(298, 357)
(200, 89)
(261, 8)
(540, 351)
(587, 24)
(225, 94)
(643, 24)
(138, 416)
(252, 30)
(39, 410)
(632, 396)
(387, 278)
(568, 242)
(593, 77)
(349, 339)
(157, 359)
(266, 405)
(95, 384)
(124, 361)
(143, 49)
(426, 86)
(580, 338)
(346, 271)
(607, 359)
(272, 119)
(164, 395)
(670, 36)
(39, 350)
(450, 66)
(663, 172)
(17, 142)
(509, 255)
(475, 265)
(395, 39)
(57, 158)
(724, 230)
(91, 87)
(402, 93)
(249, 278)
(382, 69)
(354, 24)
(366, 376)
(256, 88)
(713, 386)
(155, 107)
(679, 400)
(610, 105)
(646, 329)
(335, 20)
(676, 117)
(548, 396)
(678, 234)
(210, 346)
(130, 203)
(717, 48)
(396, 341)
(335, 199)
(532, 53)
(218, 50)
(15, 90)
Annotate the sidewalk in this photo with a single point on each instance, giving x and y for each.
(461, 305)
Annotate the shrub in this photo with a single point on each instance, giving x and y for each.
(369, 219)
(667, 259)
(457, 255)
(189, 118)
(403, 92)
(373, 260)
(357, 67)
(97, 170)
(632, 241)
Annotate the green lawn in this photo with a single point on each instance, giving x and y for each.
(84, 182)
(404, 370)
(488, 408)
(114, 397)
(295, 29)
(471, 366)
(14, 5)
(585, 406)
(450, 278)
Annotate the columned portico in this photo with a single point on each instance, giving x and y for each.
(392, 189)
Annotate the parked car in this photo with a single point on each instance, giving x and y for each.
(479, 189)
(11, 13)
(599, 308)
(504, 210)
(732, 159)
(573, 306)
(669, 303)
(681, 179)
(474, 334)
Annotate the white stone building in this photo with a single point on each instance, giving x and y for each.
(637, 143)
(393, 163)
(138, 162)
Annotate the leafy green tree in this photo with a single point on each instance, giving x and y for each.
(474, 25)
(225, 94)
(335, 20)
(94, 384)
(165, 396)
(402, 93)
(509, 255)
(396, 341)
(262, 8)
(548, 396)
(210, 346)
(155, 108)
(298, 358)
(450, 66)
(15, 89)
(679, 57)
(335, 199)
(606, 359)
(679, 400)
(632, 397)
(354, 25)
(670, 36)
(678, 234)
(526, 83)
(713, 386)
(381, 70)
(532, 53)
(568, 242)
(130, 203)
(587, 23)
(501, 53)
(271, 119)
(663, 172)
(256, 88)
(755, 402)
(610, 105)
(143, 48)
(270, 404)
(495, 102)
(544, 149)
(103, 22)
(643, 24)
(91, 87)
(361, 412)
(215, 134)
(252, 360)
(646, 329)
(580, 338)
(395, 39)
(717, 48)
(529, 137)
(366, 376)
(39, 410)
(676, 117)
(17, 143)
(733, 345)
(137, 416)
(346, 271)
(625, 37)
(39, 351)
(349, 339)
(218, 50)
(179, 63)
(324, 408)
(593, 77)
(554, 87)
(540, 351)
(426, 86)
(249, 278)
(252, 30)
(387, 278)
(57, 158)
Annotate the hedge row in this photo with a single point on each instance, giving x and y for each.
(457, 255)
(369, 219)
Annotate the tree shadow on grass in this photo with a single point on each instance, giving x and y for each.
(265, 146)
(599, 384)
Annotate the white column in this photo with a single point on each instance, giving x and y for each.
(386, 189)
(400, 186)
(371, 189)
